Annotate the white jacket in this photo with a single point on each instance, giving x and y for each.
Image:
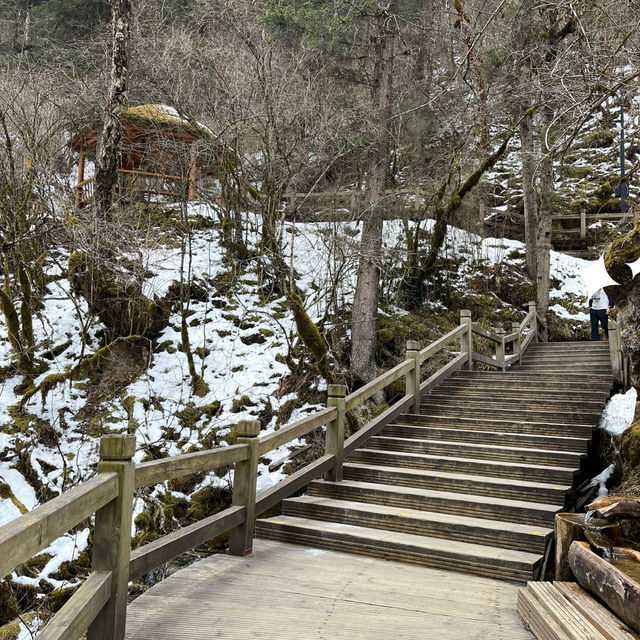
(599, 300)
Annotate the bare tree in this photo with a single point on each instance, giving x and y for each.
(365, 303)
(106, 176)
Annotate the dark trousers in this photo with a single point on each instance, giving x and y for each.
(600, 315)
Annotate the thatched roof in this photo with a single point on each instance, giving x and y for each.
(146, 120)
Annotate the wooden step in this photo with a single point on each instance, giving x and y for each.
(540, 415)
(476, 506)
(597, 614)
(603, 359)
(504, 380)
(482, 436)
(499, 400)
(447, 481)
(504, 423)
(560, 611)
(433, 552)
(462, 389)
(476, 467)
(537, 618)
(559, 367)
(475, 450)
(513, 376)
(493, 533)
(586, 345)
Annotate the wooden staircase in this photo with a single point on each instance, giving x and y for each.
(473, 482)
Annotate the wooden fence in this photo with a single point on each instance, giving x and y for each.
(99, 605)
(143, 183)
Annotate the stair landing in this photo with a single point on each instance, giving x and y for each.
(289, 592)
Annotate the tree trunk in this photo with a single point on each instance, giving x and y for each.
(365, 303)
(107, 161)
(545, 212)
(529, 191)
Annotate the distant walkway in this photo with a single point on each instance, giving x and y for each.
(289, 592)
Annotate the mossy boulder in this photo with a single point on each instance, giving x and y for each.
(630, 447)
(597, 139)
(8, 603)
(208, 501)
(58, 598)
(120, 305)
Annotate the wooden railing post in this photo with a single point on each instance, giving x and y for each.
(500, 351)
(613, 350)
(534, 320)
(466, 341)
(583, 224)
(112, 536)
(413, 378)
(334, 441)
(79, 202)
(515, 328)
(244, 489)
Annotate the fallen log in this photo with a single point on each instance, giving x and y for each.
(615, 588)
(616, 508)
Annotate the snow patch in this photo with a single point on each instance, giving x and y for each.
(617, 416)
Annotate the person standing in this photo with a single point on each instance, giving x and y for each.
(599, 308)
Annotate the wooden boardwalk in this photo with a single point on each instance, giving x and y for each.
(290, 592)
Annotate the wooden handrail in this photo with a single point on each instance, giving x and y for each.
(441, 343)
(154, 471)
(149, 174)
(527, 320)
(444, 372)
(296, 481)
(153, 554)
(370, 389)
(25, 536)
(478, 330)
(296, 430)
(375, 425)
(81, 609)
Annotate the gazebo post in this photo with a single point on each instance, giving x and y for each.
(191, 179)
(80, 180)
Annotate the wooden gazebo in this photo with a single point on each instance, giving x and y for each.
(161, 155)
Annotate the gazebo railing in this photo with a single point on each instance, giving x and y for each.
(145, 183)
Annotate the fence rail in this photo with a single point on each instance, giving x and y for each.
(99, 606)
(146, 183)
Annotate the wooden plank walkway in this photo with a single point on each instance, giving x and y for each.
(289, 592)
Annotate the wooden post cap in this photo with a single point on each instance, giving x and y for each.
(613, 325)
(117, 446)
(248, 428)
(336, 391)
(413, 345)
(531, 303)
(465, 313)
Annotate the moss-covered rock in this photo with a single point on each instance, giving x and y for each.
(208, 501)
(8, 604)
(58, 598)
(597, 139)
(121, 306)
(240, 404)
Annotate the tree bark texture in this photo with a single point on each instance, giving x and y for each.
(545, 212)
(620, 592)
(529, 190)
(109, 149)
(365, 303)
